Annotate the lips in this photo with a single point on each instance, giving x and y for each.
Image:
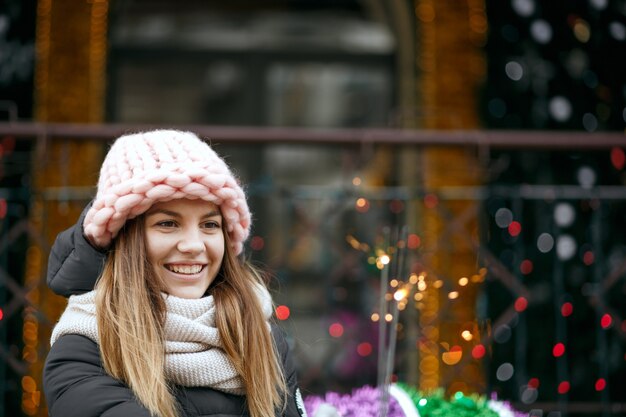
(185, 269)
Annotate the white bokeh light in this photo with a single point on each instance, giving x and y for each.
(599, 4)
(545, 242)
(618, 30)
(529, 395)
(503, 217)
(514, 70)
(505, 372)
(541, 31)
(564, 214)
(523, 7)
(590, 122)
(565, 247)
(560, 108)
(586, 177)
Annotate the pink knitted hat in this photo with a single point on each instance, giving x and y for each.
(163, 165)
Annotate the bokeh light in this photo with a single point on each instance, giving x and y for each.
(478, 351)
(588, 258)
(526, 267)
(521, 304)
(515, 228)
(541, 31)
(564, 214)
(282, 312)
(257, 243)
(565, 247)
(505, 372)
(514, 70)
(335, 330)
(618, 31)
(413, 241)
(545, 242)
(567, 309)
(560, 108)
(558, 350)
(364, 349)
(503, 217)
(586, 177)
(524, 8)
(618, 158)
(362, 205)
(453, 356)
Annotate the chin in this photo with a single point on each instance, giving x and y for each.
(189, 293)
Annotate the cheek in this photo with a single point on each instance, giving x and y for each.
(220, 249)
(155, 247)
(217, 248)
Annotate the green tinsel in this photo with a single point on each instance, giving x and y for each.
(460, 405)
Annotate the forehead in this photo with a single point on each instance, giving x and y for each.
(185, 206)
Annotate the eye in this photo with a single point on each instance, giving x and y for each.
(212, 224)
(166, 223)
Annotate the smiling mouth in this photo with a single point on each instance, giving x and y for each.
(185, 269)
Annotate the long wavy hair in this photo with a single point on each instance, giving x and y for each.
(131, 315)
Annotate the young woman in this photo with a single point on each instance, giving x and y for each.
(178, 324)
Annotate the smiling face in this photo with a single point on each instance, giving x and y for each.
(185, 245)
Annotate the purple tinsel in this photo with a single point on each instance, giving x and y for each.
(504, 408)
(363, 402)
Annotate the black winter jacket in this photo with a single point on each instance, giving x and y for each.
(74, 381)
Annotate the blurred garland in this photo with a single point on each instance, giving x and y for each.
(363, 402)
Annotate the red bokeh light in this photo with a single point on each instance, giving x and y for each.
(364, 349)
(588, 258)
(618, 158)
(563, 387)
(282, 312)
(414, 241)
(335, 330)
(558, 350)
(567, 309)
(606, 321)
(257, 243)
(600, 384)
(533, 383)
(526, 267)
(478, 351)
(520, 304)
(515, 228)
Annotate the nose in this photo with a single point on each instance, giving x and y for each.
(190, 242)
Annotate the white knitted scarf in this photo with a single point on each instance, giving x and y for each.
(194, 356)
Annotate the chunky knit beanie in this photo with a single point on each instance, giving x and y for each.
(163, 165)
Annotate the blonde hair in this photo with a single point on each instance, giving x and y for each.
(131, 313)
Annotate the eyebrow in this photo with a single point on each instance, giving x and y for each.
(212, 213)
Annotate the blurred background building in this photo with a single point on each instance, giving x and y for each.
(478, 143)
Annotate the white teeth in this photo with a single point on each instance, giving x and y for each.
(185, 269)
